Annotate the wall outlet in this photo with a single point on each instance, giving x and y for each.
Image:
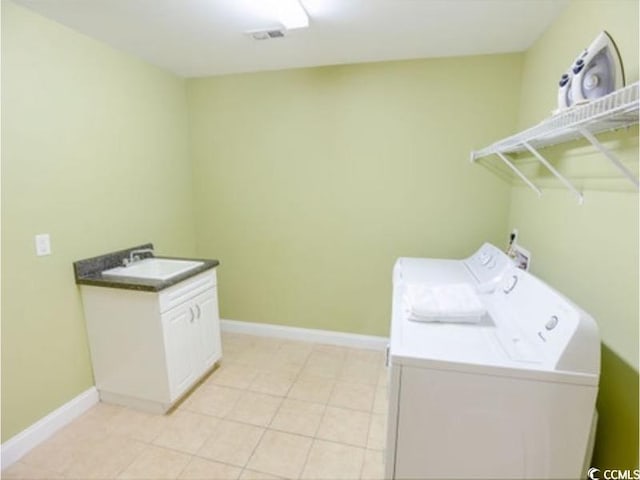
(43, 244)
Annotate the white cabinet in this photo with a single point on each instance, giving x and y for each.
(149, 348)
(208, 350)
(181, 356)
(192, 340)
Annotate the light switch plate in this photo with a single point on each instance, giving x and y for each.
(43, 244)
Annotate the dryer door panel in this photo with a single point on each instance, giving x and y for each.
(448, 429)
(460, 425)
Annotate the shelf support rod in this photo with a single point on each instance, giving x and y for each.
(610, 155)
(557, 174)
(510, 164)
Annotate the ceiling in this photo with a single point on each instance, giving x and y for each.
(194, 38)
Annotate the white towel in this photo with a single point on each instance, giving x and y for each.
(456, 303)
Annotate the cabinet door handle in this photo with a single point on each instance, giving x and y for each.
(199, 311)
(192, 315)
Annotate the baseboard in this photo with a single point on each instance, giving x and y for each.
(17, 446)
(306, 334)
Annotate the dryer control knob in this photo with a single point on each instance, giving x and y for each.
(552, 323)
(563, 80)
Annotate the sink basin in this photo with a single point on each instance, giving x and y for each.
(153, 269)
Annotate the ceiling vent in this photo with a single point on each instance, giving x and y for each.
(267, 34)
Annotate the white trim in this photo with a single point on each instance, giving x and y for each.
(306, 334)
(18, 445)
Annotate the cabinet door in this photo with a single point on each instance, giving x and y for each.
(178, 325)
(208, 331)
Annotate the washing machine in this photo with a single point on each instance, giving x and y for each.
(483, 269)
(510, 397)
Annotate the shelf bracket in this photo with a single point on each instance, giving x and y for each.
(522, 176)
(557, 174)
(611, 156)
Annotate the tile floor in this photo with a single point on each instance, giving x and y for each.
(273, 409)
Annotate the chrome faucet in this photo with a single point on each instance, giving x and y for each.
(134, 256)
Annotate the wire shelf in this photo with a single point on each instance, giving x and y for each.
(617, 110)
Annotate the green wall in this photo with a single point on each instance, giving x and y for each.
(590, 252)
(94, 152)
(311, 182)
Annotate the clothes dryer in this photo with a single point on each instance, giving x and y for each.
(510, 397)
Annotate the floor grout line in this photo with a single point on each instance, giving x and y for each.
(273, 417)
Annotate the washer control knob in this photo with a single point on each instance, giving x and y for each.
(486, 259)
(552, 323)
(510, 284)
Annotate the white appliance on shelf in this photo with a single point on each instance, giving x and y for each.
(511, 397)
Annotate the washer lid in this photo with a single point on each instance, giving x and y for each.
(483, 269)
(431, 271)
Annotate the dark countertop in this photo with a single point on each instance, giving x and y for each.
(89, 271)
